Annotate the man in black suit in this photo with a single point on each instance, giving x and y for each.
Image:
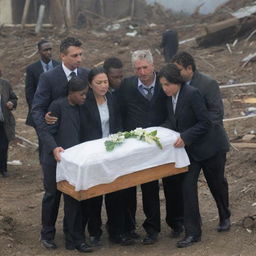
(214, 167)
(142, 103)
(114, 69)
(52, 85)
(170, 44)
(34, 71)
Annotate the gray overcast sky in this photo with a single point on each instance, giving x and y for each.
(190, 5)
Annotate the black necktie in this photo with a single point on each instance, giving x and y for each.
(72, 74)
(149, 94)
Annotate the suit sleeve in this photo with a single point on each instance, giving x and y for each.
(12, 97)
(30, 87)
(42, 100)
(192, 134)
(47, 132)
(214, 102)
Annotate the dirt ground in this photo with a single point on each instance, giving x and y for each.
(21, 193)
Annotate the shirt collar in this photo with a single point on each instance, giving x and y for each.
(67, 71)
(188, 82)
(175, 97)
(50, 65)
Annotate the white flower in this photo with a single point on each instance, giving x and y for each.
(138, 133)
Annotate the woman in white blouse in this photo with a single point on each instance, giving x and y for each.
(99, 118)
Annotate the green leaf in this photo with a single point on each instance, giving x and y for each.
(127, 135)
(110, 145)
(153, 133)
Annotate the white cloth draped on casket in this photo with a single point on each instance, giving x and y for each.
(89, 164)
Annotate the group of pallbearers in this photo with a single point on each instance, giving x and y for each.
(70, 105)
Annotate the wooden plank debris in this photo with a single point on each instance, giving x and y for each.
(26, 141)
(237, 85)
(25, 13)
(244, 144)
(248, 58)
(32, 25)
(240, 24)
(238, 118)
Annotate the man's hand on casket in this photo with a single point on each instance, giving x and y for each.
(49, 119)
(56, 153)
(179, 143)
(9, 105)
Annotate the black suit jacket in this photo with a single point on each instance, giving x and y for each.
(51, 85)
(210, 90)
(136, 110)
(192, 122)
(7, 94)
(90, 117)
(33, 73)
(64, 133)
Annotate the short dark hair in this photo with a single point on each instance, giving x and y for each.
(171, 73)
(184, 59)
(112, 62)
(94, 72)
(76, 84)
(41, 42)
(67, 42)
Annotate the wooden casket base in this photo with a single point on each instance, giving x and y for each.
(122, 182)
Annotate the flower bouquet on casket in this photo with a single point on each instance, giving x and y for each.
(139, 134)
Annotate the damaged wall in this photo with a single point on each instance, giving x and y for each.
(5, 11)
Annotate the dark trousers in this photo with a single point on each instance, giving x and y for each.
(174, 200)
(213, 169)
(151, 206)
(50, 203)
(115, 208)
(130, 207)
(75, 220)
(4, 144)
(94, 216)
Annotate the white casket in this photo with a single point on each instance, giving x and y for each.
(87, 170)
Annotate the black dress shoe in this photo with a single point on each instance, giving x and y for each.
(187, 241)
(176, 232)
(122, 240)
(132, 234)
(95, 241)
(83, 247)
(150, 239)
(48, 244)
(224, 225)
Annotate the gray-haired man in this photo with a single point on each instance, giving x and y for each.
(143, 105)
